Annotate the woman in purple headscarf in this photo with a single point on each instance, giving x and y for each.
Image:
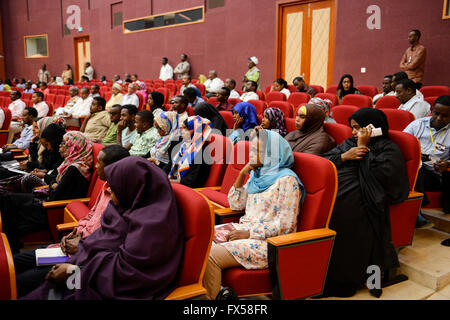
(274, 120)
(136, 253)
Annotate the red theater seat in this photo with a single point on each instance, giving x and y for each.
(201, 87)
(298, 98)
(330, 96)
(220, 148)
(339, 132)
(398, 119)
(198, 225)
(434, 91)
(332, 89)
(358, 100)
(298, 262)
(259, 105)
(370, 91)
(234, 101)
(431, 101)
(388, 102)
(4, 130)
(284, 106)
(50, 98)
(59, 101)
(341, 113)
(228, 117)
(275, 96)
(213, 101)
(165, 92)
(290, 124)
(8, 289)
(319, 89)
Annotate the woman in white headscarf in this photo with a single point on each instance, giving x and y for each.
(116, 97)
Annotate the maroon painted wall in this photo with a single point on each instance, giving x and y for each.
(380, 51)
(225, 40)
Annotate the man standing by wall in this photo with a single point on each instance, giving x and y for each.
(413, 60)
(183, 68)
(166, 72)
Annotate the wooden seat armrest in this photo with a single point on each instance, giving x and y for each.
(227, 212)
(63, 203)
(41, 187)
(21, 157)
(414, 194)
(66, 226)
(16, 150)
(303, 236)
(4, 131)
(186, 292)
(212, 188)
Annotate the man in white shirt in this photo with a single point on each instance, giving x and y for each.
(406, 94)
(183, 68)
(396, 78)
(213, 84)
(74, 98)
(89, 71)
(117, 79)
(82, 108)
(40, 105)
(231, 84)
(16, 106)
(250, 91)
(131, 97)
(386, 88)
(166, 72)
(95, 91)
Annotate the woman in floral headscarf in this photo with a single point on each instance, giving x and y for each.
(274, 120)
(23, 213)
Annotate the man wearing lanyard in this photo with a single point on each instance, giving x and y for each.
(434, 136)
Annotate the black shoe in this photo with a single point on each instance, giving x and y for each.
(446, 242)
(422, 223)
(227, 293)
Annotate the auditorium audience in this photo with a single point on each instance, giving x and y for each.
(155, 102)
(131, 97)
(192, 97)
(28, 276)
(213, 84)
(281, 85)
(222, 97)
(115, 250)
(208, 111)
(29, 116)
(147, 134)
(310, 136)
(44, 74)
(40, 105)
(88, 71)
(253, 73)
(21, 83)
(126, 129)
(406, 94)
(245, 119)
(231, 84)
(271, 199)
(346, 86)
(81, 108)
(23, 214)
(186, 84)
(190, 166)
(413, 60)
(116, 97)
(301, 86)
(28, 87)
(372, 175)
(387, 88)
(67, 74)
(98, 122)
(273, 119)
(396, 78)
(183, 68)
(95, 91)
(44, 88)
(325, 105)
(74, 98)
(434, 137)
(250, 91)
(166, 71)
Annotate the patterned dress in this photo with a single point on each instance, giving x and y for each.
(267, 214)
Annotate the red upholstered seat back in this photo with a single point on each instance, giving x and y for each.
(358, 100)
(332, 89)
(387, 102)
(6, 277)
(197, 224)
(370, 91)
(165, 92)
(220, 148)
(431, 101)
(213, 101)
(7, 121)
(434, 91)
(410, 147)
(98, 185)
(319, 177)
(319, 89)
(259, 105)
(275, 96)
(228, 117)
(234, 101)
(59, 101)
(141, 101)
(50, 109)
(201, 87)
(398, 119)
(190, 111)
(96, 148)
(341, 113)
(290, 124)
(284, 106)
(338, 132)
(238, 160)
(298, 98)
(330, 96)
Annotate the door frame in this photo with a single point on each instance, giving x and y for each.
(280, 5)
(75, 50)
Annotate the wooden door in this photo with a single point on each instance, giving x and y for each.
(306, 41)
(82, 47)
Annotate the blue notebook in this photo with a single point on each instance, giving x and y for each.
(50, 256)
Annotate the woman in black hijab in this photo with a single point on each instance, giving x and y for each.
(346, 87)
(371, 176)
(206, 110)
(155, 100)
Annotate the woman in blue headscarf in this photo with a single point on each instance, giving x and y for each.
(271, 199)
(245, 118)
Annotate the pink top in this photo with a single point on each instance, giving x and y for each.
(91, 221)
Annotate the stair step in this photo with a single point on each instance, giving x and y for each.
(427, 262)
(440, 219)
